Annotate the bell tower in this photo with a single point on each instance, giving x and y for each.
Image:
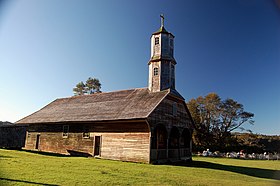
(162, 63)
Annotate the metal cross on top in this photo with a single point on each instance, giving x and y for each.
(162, 19)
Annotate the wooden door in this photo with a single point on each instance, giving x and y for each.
(37, 141)
(97, 145)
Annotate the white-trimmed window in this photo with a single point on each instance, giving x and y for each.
(156, 40)
(28, 137)
(155, 71)
(86, 132)
(65, 131)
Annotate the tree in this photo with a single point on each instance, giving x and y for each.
(215, 119)
(79, 89)
(92, 86)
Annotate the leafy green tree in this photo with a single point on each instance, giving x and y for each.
(91, 86)
(79, 89)
(215, 119)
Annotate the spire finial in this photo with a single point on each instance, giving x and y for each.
(162, 20)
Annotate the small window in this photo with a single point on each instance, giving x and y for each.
(156, 40)
(172, 71)
(65, 131)
(86, 132)
(155, 71)
(28, 137)
(171, 52)
(174, 109)
(171, 43)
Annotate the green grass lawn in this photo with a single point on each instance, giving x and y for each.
(26, 168)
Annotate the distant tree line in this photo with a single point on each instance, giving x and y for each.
(256, 143)
(91, 86)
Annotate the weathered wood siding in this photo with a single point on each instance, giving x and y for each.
(125, 146)
(129, 141)
(52, 140)
(164, 116)
(126, 141)
(154, 81)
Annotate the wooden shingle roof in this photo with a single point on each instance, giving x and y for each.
(118, 105)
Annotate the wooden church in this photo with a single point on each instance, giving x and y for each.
(150, 125)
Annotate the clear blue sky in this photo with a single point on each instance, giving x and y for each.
(229, 47)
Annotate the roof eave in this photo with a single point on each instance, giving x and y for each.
(89, 121)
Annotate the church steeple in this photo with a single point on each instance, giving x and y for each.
(162, 63)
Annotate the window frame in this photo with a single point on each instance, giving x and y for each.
(155, 71)
(156, 40)
(28, 137)
(65, 131)
(171, 43)
(86, 133)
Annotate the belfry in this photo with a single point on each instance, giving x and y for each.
(162, 62)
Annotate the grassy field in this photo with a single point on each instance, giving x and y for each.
(26, 168)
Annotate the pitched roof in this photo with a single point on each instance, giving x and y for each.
(118, 105)
(162, 30)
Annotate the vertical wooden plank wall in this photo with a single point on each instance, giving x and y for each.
(126, 141)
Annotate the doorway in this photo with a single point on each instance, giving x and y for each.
(97, 145)
(37, 141)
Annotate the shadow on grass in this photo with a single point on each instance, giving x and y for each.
(23, 181)
(71, 153)
(255, 172)
(78, 153)
(44, 153)
(1, 156)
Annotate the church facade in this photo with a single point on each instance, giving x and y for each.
(150, 125)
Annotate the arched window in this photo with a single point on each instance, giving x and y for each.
(155, 71)
(186, 138)
(160, 138)
(174, 138)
